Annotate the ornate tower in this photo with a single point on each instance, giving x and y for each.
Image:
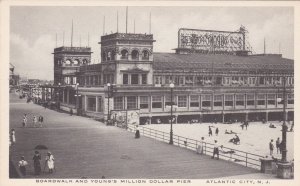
(128, 55)
(67, 61)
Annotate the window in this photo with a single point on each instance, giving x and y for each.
(157, 79)
(125, 79)
(68, 62)
(271, 99)
(194, 101)
(168, 79)
(261, 99)
(131, 102)
(156, 102)
(135, 55)
(145, 55)
(100, 104)
(280, 99)
(199, 80)
(252, 80)
(168, 100)
(181, 80)
(134, 79)
(144, 79)
(250, 99)
(91, 104)
(189, 80)
(290, 99)
(182, 101)
(124, 54)
(103, 56)
(226, 80)
(229, 100)
(218, 80)
(108, 56)
(240, 100)
(118, 103)
(144, 102)
(76, 62)
(206, 100)
(261, 80)
(218, 99)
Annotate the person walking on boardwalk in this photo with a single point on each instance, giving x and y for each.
(278, 145)
(22, 166)
(216, 150)
(41, 120)
(271, 147)
(209, 131)
(12, 136)
(36, 162)
(217, 131)
(24, 122)
(50, 162)
(34, 121)
(200, 146)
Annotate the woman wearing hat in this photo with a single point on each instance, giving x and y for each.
(22, 166)
(50, 162)
(36, 162)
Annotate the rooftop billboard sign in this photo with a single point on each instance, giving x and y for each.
(211, 40)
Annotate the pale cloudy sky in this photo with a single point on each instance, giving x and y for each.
(33, 29)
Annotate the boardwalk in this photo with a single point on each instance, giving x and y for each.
(83, 147)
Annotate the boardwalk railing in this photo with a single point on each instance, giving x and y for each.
(244, 158)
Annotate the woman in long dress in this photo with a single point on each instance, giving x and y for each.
(36, 162)
(50, 162)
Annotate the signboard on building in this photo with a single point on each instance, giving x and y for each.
(211, 40)
(126, 117)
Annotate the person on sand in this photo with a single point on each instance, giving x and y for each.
(216, 150)
(278, 145)
(200, 146)
(12, 136)
(271, 147)
(217, 131)
(209, 131)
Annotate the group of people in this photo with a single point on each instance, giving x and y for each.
(235, 140)
(210, 133)
(49, 162)
(35, 120)
(278, 146)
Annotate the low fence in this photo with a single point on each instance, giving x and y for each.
(244, 158)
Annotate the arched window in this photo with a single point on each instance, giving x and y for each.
(113, 54)
(124, 54)
(145, 55)
(76, 62)
(68, 62)
(135, 55)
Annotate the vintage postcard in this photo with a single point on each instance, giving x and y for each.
(173, 92)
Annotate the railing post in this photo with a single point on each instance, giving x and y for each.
(204, 148)
(196, 145)
(178, 141)
(163, 136)
(143, 132)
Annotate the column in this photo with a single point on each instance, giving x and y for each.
(188, 101)
(223, 117)
(68, 97)
(267, 116)
(85, 102)
(97, 103)
(246, 116)
(63, 96)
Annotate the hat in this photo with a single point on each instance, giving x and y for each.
(49, 152)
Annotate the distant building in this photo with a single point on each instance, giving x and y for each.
(215, 77)
(13, 78)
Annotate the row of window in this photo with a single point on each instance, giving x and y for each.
(96, 80)
(110, 55)
(74, 62)
(134, 79)
(206, 101)
(221, 80)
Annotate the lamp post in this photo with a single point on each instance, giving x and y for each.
(171, 129)
(108, 96)
(77, 99)
(284, 167)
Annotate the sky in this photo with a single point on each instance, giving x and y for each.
(33, 29)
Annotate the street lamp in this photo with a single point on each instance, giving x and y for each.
(284, 167)
(77, 98)
(171, 129)
(108, 96)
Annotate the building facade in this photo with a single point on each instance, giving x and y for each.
(215, 78)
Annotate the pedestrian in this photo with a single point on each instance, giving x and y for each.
(242, 126)
(71, 112)
(41, 120)
(36, 162)
(271, 147)
(12, 136)
(22, 166)
(200, 146)
(50, 162)
(217, 131)
(34, 121)
(216, 150)
(209, 131)
(278, 145)
(24, 122)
